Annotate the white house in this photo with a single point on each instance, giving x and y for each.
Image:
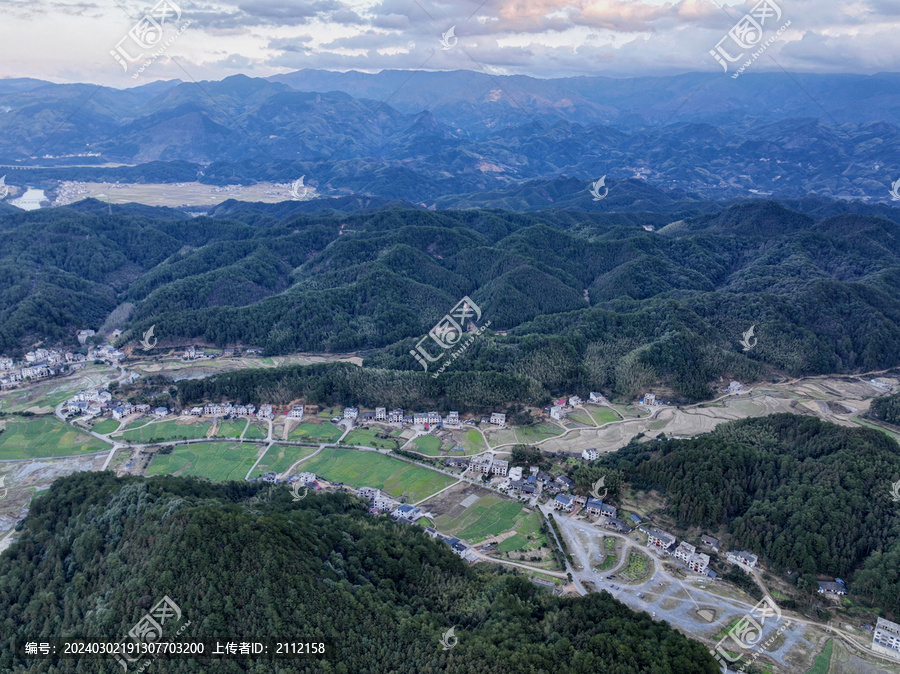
(660, 539)
(498, 419)
(296, 412)
(499, 467)
(265, 412)
(590, 454)
(745, 560)
(886, 638)
(559, 412)
(380, 414)
(575, 401)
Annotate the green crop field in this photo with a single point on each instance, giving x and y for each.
(256, 431)
(38, 437)
(281, 457)
(231, 429)
(488, 516)
(105, 426)
(582, 417)
(603, 415)
(369, 438)
(218, 461)
(428, 444)
(370, 469)
(822, 663)
(167, 430)
(473, 442)
(325, 432)
(530, 434)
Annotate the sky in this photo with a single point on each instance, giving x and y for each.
(72, 40)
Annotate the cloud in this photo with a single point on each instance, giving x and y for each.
(545, 38)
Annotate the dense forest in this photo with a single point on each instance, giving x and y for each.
(576, 301)
(243, 560)
(886, 408)
(809, 497)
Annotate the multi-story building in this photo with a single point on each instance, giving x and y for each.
(559, 412)
(453, 418)
(590, 454)
(434, 418)
(498, 419)
(296, 412)
(684, 551)
(380, 414)
(351, 412)
(886, 638)
(265, 412)
(660, 539)
(395, 416)
(745, 560)
(499, 467)
(698, 562)
(564, 503)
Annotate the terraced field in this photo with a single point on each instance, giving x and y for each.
(168, 430)
(371, 469)
(281, 457)
(488, 516)
(218, 461)
(324, 432)
(46, 436)
(231, 429)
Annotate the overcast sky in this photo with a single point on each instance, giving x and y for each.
(71, 40)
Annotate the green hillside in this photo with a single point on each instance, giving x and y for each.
(244, 560)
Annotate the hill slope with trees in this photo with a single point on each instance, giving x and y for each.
(243, 560)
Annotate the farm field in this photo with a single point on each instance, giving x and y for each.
(256, 431)
(472, 442)
(369, 438)
(105, 427)
(603, 415)
(38, 437)
(325, 432)
(532, 434)
(428, 444)
(218, 461)
(167, 430)
(231, 429)
(281, 457)
(488, 516)
(370, 469)
(503, 436)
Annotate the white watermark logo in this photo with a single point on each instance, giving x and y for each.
(148, 34)
(449, 39)
(296, 187)
(895, 491)
(448, 639)
(745, 342)
(448, 333)
(598, 485)
(747, 34)
(150, 628)
(895, 191)
(597, 186)
(4, 188)
(3, 487)
(747, 633)
(295, 490)
(146, 345)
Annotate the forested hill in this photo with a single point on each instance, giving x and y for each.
(244, 561)
(585, 301)
(809, 497)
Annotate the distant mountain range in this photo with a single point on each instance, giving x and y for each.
(463, 139)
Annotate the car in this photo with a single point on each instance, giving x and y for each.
(654, 614)
(610, 577)
(641, 595)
